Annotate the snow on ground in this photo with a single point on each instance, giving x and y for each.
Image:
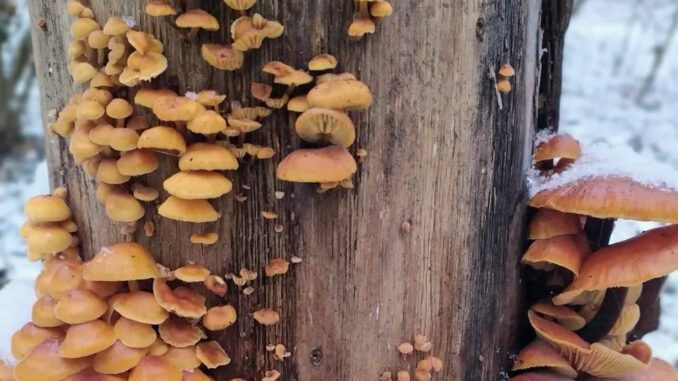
(609, 53)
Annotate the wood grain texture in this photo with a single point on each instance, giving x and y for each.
(442, 157)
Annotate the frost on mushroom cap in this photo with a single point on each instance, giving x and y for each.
(208, 157)
(196, 211)
(326, 125)
(319, 165)
(196, 185)
(609, 182)
(568, 251)
(86, 339)
(154, 368)
(628, 263)
(539, 354)
(45, 364)
(47, 209)
(123, 261)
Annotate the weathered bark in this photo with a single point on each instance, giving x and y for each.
(442, 157)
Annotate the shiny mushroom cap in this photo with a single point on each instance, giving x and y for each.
(80, 306)
(137, 162)
(212, 355)
(134, 334)
(567, 251)
(320, 165)
(45, 364)
(181, 301)
(197, 18)
(86, 339)
(160, 8)
(176, 109)
(47, 209)
(154, 368)
(163, 139)
(123, 261)
(326, 125)
(180, 333)
(557, 147)
(222, 57)
(322, 62)
(141, 307)
(538, 355)
(346, 94)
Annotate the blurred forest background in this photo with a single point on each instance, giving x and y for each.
(620, 87)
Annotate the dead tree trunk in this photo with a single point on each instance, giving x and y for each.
(428, 241)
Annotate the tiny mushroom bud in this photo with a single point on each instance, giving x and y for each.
(406, 348)
(219, 318)
(506, 70)
(266, 316)
(504, 86)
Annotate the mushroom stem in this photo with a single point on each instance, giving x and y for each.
(101, 57)
(133, 285)
(181, 127)
(599, 232)
(120, 123)
(610, 311)
(363, 9)
(91, 54)
(193, 33)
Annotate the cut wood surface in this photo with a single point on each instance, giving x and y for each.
(429, 240)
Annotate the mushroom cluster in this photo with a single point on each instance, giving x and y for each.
(420, 350)
(585, 322)
(115, 55)
(323, 121)
(91, 321)
(367, 13)
(247, 32)
(49, 230)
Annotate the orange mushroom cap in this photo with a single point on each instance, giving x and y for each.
(118, 358)
(319, 165)
(123, 261)
(86, 339)
(567, 251)
(45, 364)
(133, 333)
(561, 146)
(326, 125)
(26, 339)
(197, 185)
(140, 306)
(219, 318)
(47, 209)
(192, 273)
(154, 368)
(629, 263)
(92, 375)
(196, 211)
(212, 355)
(539, 354)
(197, 18)
(42, 314)
(611, 197)
(163, 139)
(180, 333)
(180, 301)
(222, 57)
(549, 223)
(209, 157)
(80, 306)
(563, 315)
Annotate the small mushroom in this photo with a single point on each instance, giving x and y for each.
(141, 307)
(266, 316)
(86, 339)
(134, 334)
(206, 123)
(209, 238)
(197, 185)
(163, 139)
(196, 19)
(322, 165)
(277, 266)
(180, 333)
(192, 273)
(217, 285)
(326, 125)
(160, 8)
(322, 62)
(196, 211)
(219, 318)
(250, 32)
(180, 301)
(117, 359)
(212, 355)
(222, 57)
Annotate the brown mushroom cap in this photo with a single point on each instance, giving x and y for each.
(181, 301)
(86, 339)
(628, 263)
(346, 94)
(154, 368)
(45, 364)
(326, 125)
(222, 57)
(179, 333)
(141, 307)
(26, 339)
(123, 261)
(277, 266)
(212, 355)
(196, 211)
(208, 157)
(566, 251)
(240, 5)
(563, 315)
(320, 165)
(118, 358)
(611, 197)
(219, 318)
(134, 334)
(322, 62)
(137, 162)
(539, 376)
(539, 354)
(266, 316)
(80, 306)
(196, 185)
(361, 26)
(549, 223)
(197, 18)
(561, 146)
(47, 209)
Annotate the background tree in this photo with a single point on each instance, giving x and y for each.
(428, 241)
